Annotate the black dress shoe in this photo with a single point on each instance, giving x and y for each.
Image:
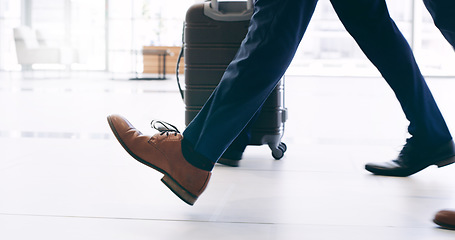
(413, 159)
(229, 162)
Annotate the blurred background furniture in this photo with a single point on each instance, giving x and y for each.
(151, 63)
(156, 59)
(31, 48)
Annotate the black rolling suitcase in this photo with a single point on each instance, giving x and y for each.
(212, 35)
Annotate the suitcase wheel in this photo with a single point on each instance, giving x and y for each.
(278, 152)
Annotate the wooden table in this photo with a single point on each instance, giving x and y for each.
(161, 54)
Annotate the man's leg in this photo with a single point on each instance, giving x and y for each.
(443, 13)
(368, 21)
(186, 160)
(275, 32)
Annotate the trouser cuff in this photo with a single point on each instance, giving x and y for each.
(194, 158)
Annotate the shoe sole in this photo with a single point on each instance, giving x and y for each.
(446, 226)
(167, 179)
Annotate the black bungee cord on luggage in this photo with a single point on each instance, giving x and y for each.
(178, 62)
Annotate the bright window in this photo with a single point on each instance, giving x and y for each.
(109, 34)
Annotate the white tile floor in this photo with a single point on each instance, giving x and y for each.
(64, 176)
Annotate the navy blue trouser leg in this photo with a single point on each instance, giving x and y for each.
(369, 23)
(360, 18)
(275, 31)
(443, 13)
(238, 146)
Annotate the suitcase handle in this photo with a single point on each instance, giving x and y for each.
(216, 6)
(229, 12)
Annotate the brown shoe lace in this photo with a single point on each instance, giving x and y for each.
(164, 127)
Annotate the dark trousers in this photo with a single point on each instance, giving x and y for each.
(443, 12)
(275, 31)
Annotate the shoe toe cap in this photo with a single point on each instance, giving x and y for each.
(445, 217)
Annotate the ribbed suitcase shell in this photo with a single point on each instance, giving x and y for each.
(209, 46)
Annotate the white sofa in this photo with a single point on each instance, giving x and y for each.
(31, 49)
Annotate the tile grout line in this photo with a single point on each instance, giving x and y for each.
(126, 218)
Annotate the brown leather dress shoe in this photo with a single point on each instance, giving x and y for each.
(445, 219)
(163, 153)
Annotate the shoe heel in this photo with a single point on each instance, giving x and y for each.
(446, 162)
(178, 190)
